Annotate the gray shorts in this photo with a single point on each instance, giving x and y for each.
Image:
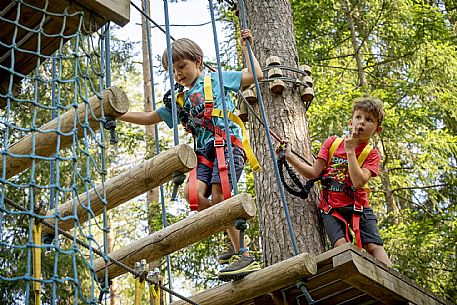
(369, 232)
(211, 175)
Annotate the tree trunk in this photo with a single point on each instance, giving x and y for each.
(355, 45)
(272, 28)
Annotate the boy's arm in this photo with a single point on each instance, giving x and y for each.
(307, 171)
(141, 118)
(359, 176)
(247, 78)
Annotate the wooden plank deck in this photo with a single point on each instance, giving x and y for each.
(34, 27)
(346, 276)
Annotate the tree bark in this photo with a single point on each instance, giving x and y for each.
(272, 28)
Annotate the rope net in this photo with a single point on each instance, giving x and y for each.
(51, 63)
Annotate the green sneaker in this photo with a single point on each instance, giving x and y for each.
(239, 267)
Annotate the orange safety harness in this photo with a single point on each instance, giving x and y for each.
(327, 182)
(219, 143)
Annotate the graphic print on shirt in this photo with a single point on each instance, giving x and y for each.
(197, 104)
(339, 172)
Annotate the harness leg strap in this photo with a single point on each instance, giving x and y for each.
(219, 146)
(193, 196)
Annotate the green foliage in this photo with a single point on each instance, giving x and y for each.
(423, 247)
(409, 58)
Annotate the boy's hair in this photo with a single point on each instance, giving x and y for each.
(372, 105)
(183, 48)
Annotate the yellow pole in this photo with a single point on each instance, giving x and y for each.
(37, 261)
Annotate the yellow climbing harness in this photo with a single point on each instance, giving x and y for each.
(209, 101)
(154, 292)
(360, 159)
(139, 288)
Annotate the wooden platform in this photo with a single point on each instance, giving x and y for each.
(39, 26)
(348, 276)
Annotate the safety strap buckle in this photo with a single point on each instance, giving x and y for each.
(219, 142)
(326, 207)
(328, 210)
(358, 208)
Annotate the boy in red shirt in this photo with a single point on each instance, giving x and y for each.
(346, 165)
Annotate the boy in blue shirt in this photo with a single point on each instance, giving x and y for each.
(210, 176)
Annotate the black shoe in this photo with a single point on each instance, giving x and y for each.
(239, 267)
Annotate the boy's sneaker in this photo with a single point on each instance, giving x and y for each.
(225, 257)
(239, 267)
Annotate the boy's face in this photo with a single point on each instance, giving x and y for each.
(364, 125)
(187, 72)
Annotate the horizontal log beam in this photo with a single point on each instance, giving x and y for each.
(272, 278)
(136, 181)
(181, 234)
(114, 103)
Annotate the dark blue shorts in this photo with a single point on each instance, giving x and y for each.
(369, 232)
(211, 175)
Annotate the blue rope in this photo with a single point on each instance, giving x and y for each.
(224, 102)
(171, 74)
(156, 136)
(270, 142)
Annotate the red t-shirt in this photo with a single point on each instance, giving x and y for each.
(338, 170)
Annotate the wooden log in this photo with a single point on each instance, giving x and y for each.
(306, 69)
(243, 113)
(275, 72)
(272, 278)
(181, 234)
(250, 94)
(136, 181)
(114, 103)
(307, 94)
(273, 61)
(277, 86)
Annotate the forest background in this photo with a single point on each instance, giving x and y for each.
(402, 51)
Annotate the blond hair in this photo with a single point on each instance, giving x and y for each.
(372, 105)
(183, 48)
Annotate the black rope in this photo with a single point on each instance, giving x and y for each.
(110, 259)
(304, 190)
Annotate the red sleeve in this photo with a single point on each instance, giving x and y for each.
(372, 162)
(323, 153)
